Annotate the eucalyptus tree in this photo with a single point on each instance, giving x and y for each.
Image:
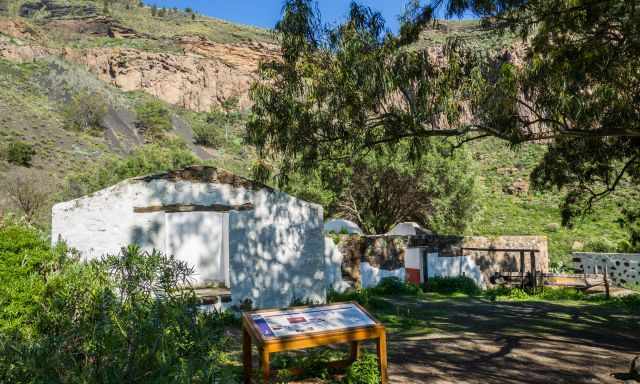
(340, 92)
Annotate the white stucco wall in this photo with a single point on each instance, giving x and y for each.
(371, 276)
(412, 258)
(333, 267)
(453, 267)
(275, 251)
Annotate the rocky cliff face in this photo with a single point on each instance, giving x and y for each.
(202, 78)
(198, 74)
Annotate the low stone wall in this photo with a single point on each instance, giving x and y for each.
(623, 268)
(493, 261)
(367, 259)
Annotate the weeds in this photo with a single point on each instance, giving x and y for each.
(450, 285)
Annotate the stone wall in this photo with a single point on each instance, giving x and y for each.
(367, 259)
(448, 256)
(623, 268)
(490, 262)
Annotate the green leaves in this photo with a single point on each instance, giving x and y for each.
(153, 119)
(19, 153)
(128, 317)
(345, 91)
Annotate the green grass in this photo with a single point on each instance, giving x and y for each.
(536, 213)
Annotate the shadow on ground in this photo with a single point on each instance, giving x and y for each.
(477, 341)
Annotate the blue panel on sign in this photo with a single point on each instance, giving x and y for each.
(263, 326)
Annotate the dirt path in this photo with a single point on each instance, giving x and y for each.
(477, 341)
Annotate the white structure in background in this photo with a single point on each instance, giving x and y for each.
(414, 258)
(409, 228)
(263, 245)
(342, 226)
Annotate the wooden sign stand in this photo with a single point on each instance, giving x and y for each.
(268, 345)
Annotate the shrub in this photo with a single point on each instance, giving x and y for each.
(124, 318)
(85, 111)
(395, 286)
(153, 119)
(207, 135)
(26, 261)
(29, 191)
(363, 371)
(20, 153)
(600, 245)
(448, 285)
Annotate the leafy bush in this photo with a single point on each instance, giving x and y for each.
(26, 262)
(124, 318)
(85, 111)
(153, 119)
(207, 135)
(448, 285)
(395, 286)
(600, 245)
(30, 192)
(364, 371)
(20, 153)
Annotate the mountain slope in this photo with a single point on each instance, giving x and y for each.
(52, 51)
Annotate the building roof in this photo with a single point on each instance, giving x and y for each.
(205, 174)
(340, 225)
(409, 228)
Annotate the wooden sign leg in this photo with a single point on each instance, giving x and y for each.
(265, 365)
(381, 345)
(354, 352)
(246, 355)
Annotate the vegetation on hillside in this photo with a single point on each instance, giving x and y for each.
(155, 30)
(145, 160)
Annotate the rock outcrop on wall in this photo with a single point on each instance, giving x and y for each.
(382, 253)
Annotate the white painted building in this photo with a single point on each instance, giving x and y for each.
(264, 245)
(342, 226)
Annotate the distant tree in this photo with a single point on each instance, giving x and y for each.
(382, 189)
(85, 111)
(29, 190)
(188, 10)
(19, 153)
(162, 12)
(140, 3)
(153, 119)
(193, 16)
(154, 10)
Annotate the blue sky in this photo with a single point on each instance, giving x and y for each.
(265, 13)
